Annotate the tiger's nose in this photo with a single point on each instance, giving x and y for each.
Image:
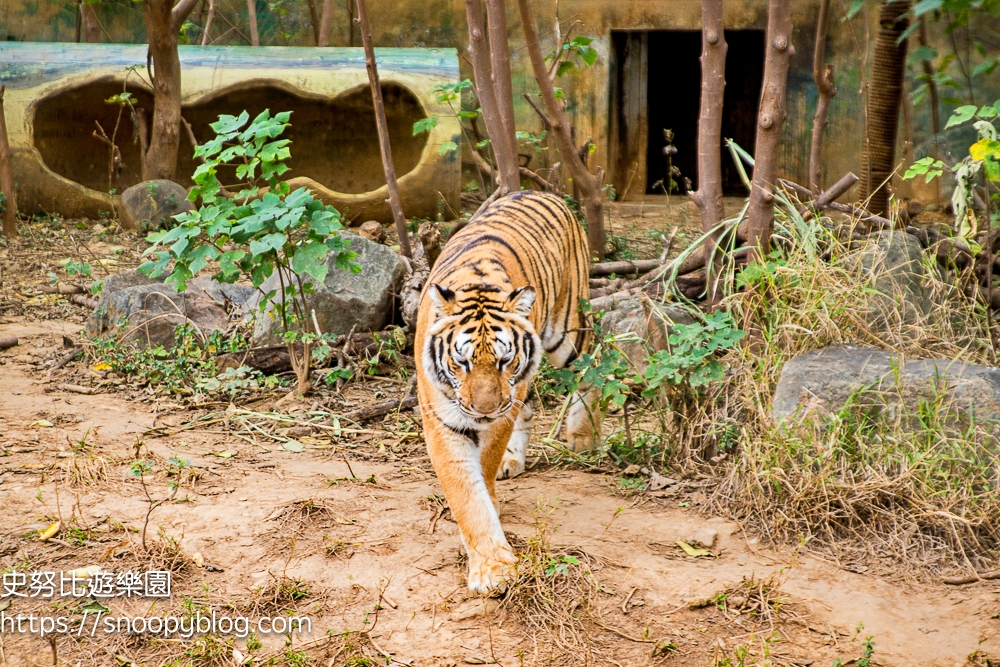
(485, 397)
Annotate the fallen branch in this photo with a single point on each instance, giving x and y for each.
(380, 409)
(76, 389)
(70, 356)
(81, 300)
(6, 343)
(623, 268)
(971, 579)
(62, 288)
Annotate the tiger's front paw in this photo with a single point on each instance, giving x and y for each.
(491, 575)
(511, 466)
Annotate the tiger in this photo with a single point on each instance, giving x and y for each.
(505, 289)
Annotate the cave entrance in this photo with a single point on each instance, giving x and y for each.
(656, 86)
(334, 140)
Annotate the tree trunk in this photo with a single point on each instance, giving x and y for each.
(589, 184)
(325, 23)
(878, 160)
(823, 76)
(314, 20)
(7, 178)
(90, 28)
(760, 217)
(162, 23)
(496, 15)
(383, 131)
(713, 88)
(504, 153)
(252, 13)
(208, 22)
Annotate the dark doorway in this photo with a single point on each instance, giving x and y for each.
(656, 85)
(674, 85)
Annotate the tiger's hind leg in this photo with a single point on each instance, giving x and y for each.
(583, 423)
(513, 459)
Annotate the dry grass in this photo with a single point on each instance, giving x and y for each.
(870, 485)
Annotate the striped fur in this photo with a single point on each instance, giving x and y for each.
(506, 289)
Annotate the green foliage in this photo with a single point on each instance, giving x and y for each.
(74, 268)
(263, 228)
(928, 167)
(691, 357)
(425, 125)
(559, 564)
(578, 49)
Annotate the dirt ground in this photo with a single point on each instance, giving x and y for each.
(349, 529)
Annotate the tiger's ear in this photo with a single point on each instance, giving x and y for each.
(520, 300)
(443, 300)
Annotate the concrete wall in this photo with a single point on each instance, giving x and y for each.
(441, 23)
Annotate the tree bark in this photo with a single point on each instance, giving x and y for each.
(383, 131)
(878, 160)
(162, 23)
(589, 184)
(503, 152)
(496, 15)
(823, 76)
(713, 87)
(7, 178)
(314, 20)
(769, 121)
(252, 13)
(325, 23)
(208, 22)
(90, 29)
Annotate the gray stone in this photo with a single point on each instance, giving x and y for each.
(150, 205)
(119, 281)
(224, 294)
(703, 537)
(822, 381)
(149, 314)
(893, 266)
(651, 322)
(345, 300)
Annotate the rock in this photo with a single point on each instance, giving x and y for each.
(893, 265)
(372, 230)
(119, 281)
(822, 381)
(148, 314)
(703, 537)
(637, 314)
(224, 294)
(345, 299)
(150, 205)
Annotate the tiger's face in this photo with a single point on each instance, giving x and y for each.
(479, 350)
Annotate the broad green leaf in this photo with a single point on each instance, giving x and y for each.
(925, 6)
(447, 147)
(961, 115)
(268, 243)
(425, 125)
(564, 67)
(311, 259)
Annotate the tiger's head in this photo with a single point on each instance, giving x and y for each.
(479, 348)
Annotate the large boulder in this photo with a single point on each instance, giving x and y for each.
(151, 204)
(344, 300)
(137, 308)
(649, 321)
(149, 314)
(892, 264)
(823, 381)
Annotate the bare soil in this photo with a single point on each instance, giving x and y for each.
(352, 532)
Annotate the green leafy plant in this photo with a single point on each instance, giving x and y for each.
(264, 228)
(691, 357)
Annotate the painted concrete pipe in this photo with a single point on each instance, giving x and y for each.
(56, 96)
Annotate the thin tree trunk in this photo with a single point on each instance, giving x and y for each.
(878, 160)
(823, 76)
(496, 15)
(90, 28)
(383, 132)
(208, 22)
(350, 22)
(7, 178)
(769, 121)
(932, 90)
(589, 184)
(252, 13)
(713, 88)
(314, 19)
(504, 153)
(325, 23)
